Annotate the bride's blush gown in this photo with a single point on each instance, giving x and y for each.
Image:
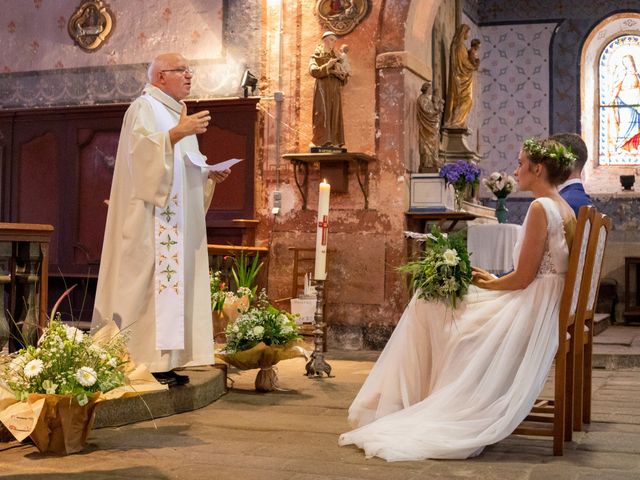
(448, 383)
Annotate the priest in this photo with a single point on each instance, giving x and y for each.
(153, 279)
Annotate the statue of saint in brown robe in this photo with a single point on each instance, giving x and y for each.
(328, 129)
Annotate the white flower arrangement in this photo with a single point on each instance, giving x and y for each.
(233, 297)
(65, 362)
(500, 184)
(218, 290)
(220, 295)
(260, 324)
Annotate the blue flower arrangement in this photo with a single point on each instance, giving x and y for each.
(459, 175)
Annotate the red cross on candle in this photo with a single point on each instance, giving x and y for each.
(324, 225)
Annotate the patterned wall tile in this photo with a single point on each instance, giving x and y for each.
(577, 18)
(471, 10)
(514, 90)
(41, 31)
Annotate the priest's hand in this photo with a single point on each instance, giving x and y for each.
(189, 125)
(219, 177)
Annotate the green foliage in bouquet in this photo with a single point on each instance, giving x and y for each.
(262, 323)
(244, 271)
(65, 361)
(444, 270)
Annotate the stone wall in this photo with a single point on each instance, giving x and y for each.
(40, 65)
(390, 55)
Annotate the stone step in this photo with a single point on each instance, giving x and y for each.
(206, 384)
(618, 347)
(601, 321)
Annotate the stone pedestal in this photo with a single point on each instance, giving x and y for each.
(454, 145)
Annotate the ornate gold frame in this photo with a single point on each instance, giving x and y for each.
(342, 16)
(90, 24)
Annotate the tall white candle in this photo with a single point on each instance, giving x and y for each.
(322, 231)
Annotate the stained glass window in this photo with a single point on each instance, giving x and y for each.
(619, 136)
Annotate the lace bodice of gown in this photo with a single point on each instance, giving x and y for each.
(556, 252)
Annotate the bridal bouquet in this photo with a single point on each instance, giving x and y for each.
(500, 184)
(444, 270)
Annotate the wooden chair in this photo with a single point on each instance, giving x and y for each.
(552, 418)
(584, 321)
(303, 263)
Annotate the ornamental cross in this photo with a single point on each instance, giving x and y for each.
(168, 243)
(168, 271)
(324, 225)
(168, 214)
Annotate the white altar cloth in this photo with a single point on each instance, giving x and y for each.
(492, 245)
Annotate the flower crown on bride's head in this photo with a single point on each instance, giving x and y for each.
(550, 149)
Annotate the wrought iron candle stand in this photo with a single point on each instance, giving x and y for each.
(316, 364)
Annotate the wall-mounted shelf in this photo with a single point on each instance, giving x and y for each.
(417, 221)
(334, 167)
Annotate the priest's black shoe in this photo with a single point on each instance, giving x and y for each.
(180, 379)
(165, 378)
(171, 378)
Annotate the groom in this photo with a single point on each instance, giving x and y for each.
(572, 189)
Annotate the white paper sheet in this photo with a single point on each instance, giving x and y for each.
(201, 161)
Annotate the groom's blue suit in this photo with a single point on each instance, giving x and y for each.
(575, 196)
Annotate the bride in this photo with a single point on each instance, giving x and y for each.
(449, 382)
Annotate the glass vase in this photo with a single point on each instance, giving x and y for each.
(501, 210)
(459, 194)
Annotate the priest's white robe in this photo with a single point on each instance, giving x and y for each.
(142, 180)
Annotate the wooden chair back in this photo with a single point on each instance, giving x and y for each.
(575, 270)
(553, 417)
(584, 322)
(303, 263)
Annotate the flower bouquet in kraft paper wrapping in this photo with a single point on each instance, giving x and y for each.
(260, 338)
(49, 391)
(226, 305)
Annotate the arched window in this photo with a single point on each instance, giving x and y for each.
(609, 105)
(619, 102)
